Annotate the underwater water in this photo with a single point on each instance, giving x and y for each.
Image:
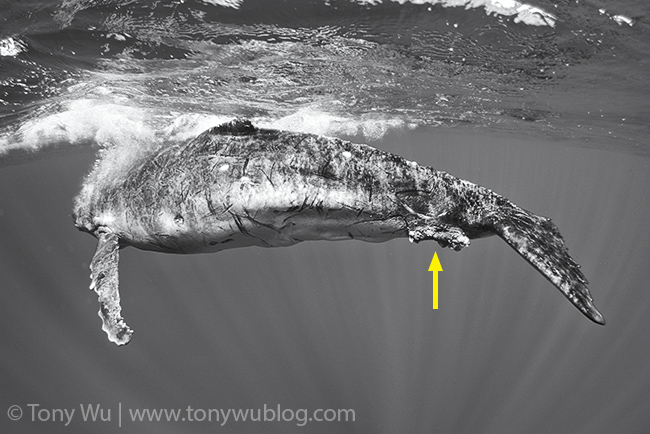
(546, 103)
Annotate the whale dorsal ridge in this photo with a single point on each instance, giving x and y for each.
(236, 127)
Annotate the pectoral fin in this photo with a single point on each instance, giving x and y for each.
(105, 282)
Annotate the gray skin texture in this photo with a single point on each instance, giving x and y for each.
(236, 185)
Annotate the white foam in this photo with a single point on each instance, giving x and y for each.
(622, 19)
(371, 126)
(107, 124)
(10, 47)
(522, 12)
(225, 3)
(618, 19)
(189, 125)
(81, 121)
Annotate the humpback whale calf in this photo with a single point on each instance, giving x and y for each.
(236, 185)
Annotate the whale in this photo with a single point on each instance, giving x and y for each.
(237, 185)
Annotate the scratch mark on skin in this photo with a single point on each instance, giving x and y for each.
(304, 204)
(244, 231)
(208, 200)
(243, 170)
(268, 177)
(291, 215)
(239, 224)
(261, 224)
(226, 208)
(228, 240)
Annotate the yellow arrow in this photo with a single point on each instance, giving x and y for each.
(435, 267)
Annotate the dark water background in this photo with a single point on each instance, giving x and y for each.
(556, 118)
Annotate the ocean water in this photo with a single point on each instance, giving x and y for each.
(544, 102)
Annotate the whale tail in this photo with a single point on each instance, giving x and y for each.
(535, 238)
(539, 242)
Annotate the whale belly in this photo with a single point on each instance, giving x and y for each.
(233, 202)
(280, 214)
(294, 212)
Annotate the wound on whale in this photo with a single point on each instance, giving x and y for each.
(236, 185)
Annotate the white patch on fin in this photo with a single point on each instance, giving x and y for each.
(105, 282)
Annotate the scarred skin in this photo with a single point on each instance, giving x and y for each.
(267, 189)
(237, 186)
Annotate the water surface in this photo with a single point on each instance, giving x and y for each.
(554, 117)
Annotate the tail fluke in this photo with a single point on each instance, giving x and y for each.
(539, 241)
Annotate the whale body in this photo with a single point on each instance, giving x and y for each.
(236, 185)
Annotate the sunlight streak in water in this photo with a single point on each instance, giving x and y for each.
(556, 118)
